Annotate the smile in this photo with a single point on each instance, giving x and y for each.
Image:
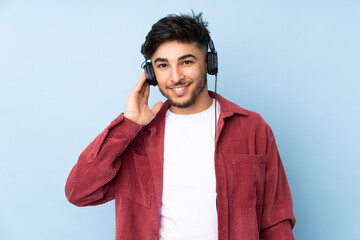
(179, 89)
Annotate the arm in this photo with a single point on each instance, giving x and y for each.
(92, 179)
(277, 219)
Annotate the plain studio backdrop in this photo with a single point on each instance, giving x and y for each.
(67, 67)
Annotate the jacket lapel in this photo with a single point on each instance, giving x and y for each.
(155, 149)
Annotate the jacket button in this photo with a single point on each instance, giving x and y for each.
(156, 233)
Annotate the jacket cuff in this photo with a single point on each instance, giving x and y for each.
(123, 127)
(280, 231)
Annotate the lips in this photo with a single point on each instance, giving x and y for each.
(179, 90)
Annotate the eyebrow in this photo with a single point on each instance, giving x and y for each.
(180, 58)
(187, 56)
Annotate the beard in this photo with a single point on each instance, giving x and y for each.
(194, 94)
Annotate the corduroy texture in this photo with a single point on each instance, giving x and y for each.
(125, 163)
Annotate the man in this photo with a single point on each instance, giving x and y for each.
(171, 173)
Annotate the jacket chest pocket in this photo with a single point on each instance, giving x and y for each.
(246, 179)
(134, 179)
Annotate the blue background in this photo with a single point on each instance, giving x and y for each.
(67, 67)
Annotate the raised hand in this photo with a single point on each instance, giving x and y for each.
(137, 108)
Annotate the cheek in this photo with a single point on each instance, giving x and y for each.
(193, 73)
(190, 72)
(161, 76)
(200, 70)
(161, 81)
(196, 73)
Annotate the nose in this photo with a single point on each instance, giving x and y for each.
(176, 74)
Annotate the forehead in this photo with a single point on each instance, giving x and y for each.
(176, 49)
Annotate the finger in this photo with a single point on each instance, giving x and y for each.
(156, 108)
(146, 91)
(139, 85)
(143, 89)
(144, 95)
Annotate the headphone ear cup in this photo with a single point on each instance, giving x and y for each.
(212, 63)
(150, 74)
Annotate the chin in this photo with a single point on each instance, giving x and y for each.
(181, 104)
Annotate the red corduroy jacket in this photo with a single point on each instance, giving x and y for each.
(125, 163)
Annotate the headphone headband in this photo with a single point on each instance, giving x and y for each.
(212, 46)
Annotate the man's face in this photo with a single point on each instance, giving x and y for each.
(180, 70)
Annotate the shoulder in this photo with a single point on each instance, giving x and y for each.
(253, 120)
(247, 121)
(231, 109)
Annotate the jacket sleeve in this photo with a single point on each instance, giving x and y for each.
(92, 179)
(277, 219)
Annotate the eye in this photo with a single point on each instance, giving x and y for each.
(162, 65)
(187, 62)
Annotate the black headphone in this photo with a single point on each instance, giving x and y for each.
(211, 60)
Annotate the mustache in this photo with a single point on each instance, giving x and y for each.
(180, 83)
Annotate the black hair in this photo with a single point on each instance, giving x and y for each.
(183, 28)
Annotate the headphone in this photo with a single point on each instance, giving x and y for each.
(211, 60)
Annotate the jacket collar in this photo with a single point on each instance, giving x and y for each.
(228, 108)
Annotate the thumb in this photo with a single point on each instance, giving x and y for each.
(156, 108)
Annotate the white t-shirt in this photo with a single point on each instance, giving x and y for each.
(188, 209)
